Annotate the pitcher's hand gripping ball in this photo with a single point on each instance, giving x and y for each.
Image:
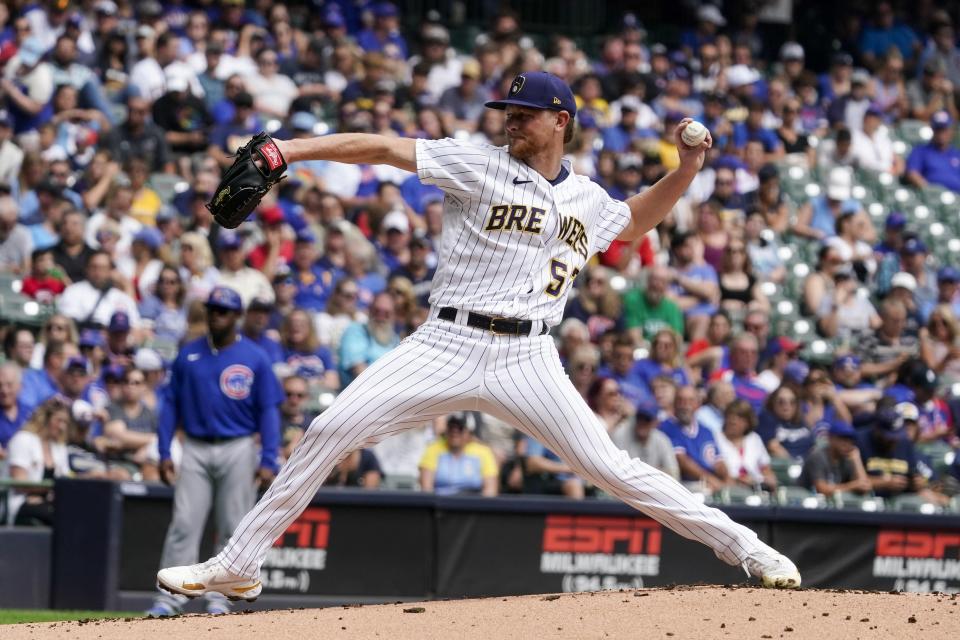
(694, 134)
(257, 167)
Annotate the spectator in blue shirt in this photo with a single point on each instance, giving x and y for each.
(938, 161)
(695, 286)
(619, 136)
(884, 32)
(664, 360)
(13, 411)
(693, 443)
(314, 283)
(632, 384)
(752, 129)
(40, 384)
(384, 36)
(255, 324)
(302, 351)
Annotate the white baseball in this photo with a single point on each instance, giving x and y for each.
(693, 134)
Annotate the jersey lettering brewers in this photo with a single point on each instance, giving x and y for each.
(513, 243)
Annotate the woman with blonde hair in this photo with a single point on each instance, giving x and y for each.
(664, 360)
(36, 453)
(197, 270)
(939, 344)
(57, 328)
(404, 301)
(304, 354)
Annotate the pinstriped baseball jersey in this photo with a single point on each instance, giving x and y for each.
(512, 242)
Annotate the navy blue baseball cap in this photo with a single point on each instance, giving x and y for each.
(896, 220)
(225, 298)
(941, 120)
(91, 338)
(119, 322)
(913, 246)
(538, 90)
(647, 409)
(842, 429)
(948, 274)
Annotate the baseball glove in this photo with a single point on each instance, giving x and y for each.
(257, 167)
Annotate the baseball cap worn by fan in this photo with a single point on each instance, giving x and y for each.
(842, 429)
(940, 120)
(896, 220)
(903, 280)
(948, 274)
(914, 246)
(647, 409)
(90, 338)
(225, 298)
(119, 322)
(538, 90)
(396, 221)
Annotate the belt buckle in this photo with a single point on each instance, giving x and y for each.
(493, 319)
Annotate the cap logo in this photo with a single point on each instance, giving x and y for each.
(517, 85)
(556, 100)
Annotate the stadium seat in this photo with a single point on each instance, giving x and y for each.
(787, 471)
(846, 500)
(400, 482)
(744, 496)
(914, 132)
(799, 497)
(913, 503)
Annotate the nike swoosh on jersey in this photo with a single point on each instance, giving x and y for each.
(518, 181)
(192, 357)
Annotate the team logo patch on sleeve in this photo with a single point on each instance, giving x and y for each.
(236, 381)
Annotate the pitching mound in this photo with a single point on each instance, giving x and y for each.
(683, 612)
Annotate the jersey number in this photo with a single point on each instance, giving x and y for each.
(559, 277)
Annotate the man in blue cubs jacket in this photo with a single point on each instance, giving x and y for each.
(222, 393)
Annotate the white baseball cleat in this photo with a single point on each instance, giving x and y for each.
(198, 579)
(775, 570)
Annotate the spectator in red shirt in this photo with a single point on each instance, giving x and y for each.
(275, 249)
(46, 280)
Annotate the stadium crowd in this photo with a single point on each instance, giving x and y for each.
(762, 335)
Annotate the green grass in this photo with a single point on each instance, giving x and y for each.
(17, 616)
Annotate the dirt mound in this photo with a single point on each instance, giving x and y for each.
(682, 612)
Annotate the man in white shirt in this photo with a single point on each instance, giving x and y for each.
(872, 147)
(272, 91)
(246, 281)
(95, 299)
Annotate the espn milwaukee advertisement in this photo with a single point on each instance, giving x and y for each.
(499, 554)
(328, 551)
(918, 561)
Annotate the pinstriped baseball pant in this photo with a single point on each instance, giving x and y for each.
(445, 367)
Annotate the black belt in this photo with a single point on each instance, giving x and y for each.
(498, 326)
(216, 439)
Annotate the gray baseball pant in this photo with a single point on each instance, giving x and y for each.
(221, 476)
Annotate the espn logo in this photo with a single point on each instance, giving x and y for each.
(918, 544)
(597, 534)
(310, 531)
